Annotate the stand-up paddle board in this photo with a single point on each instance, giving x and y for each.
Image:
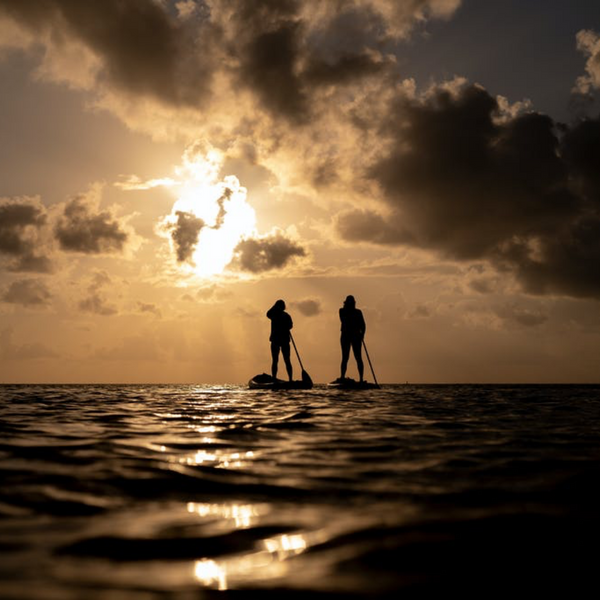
(266, 382)
(350, 384)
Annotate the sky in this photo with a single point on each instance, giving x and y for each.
(169, 169)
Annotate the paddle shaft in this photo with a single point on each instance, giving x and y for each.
(370, 365)
(296, 349)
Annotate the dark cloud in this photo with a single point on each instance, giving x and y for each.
(264, 39)
(31, 263)
(365, 225)
(222, 210)
(185, 233)
(21, 220)
(285, 58)
(522, 192)
(346, 68)
(15, 217)
(27, 292)
(308, 307)
(82, 229)
(143, 48)
(264, 254)
(580, 149)
(269, 69)
(282, 51)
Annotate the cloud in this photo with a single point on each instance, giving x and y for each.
(21, 222)
(313, 87)
(521, 315)
(484, 285)
(98, 305)
(138, 47)
(185, 232)
(211, 294)
(211, 214)
(422, 311)
(96, 302)
(133, 182)
(27, 292)
(461, 178)
(168, 65)
(264, 254)
(268, 68)
(82, 227)
(588, 42)
(227, 193)
(287, 52)
(148, 307)
(308, 307)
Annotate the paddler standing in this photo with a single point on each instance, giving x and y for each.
(353, 332)
(281, 325)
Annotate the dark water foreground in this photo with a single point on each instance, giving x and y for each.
(136, 492)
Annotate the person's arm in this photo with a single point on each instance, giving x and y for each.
(290, 323)
(271, 312)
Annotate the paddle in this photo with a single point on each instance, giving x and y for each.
(369, 359)
(305, 376)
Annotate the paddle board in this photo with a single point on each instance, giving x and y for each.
(351, 384)
(266, 382)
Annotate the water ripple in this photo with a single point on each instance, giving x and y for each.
(138, 490)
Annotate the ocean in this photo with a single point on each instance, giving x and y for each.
(196, 491)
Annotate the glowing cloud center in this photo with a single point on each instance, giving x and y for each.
(224, 213)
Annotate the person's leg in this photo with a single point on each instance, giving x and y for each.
(274, 359)
(357, 350)
(285, 351)
(345, 355)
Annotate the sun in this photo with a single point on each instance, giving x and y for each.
(218, 206)
(229, 219)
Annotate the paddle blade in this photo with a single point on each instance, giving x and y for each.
(306, 377)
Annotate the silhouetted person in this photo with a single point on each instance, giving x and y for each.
(353, 331)
(281, 324)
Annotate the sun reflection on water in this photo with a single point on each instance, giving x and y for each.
(270, 559)
(210, 574)
(286, 545)
(243, 515)
(260, 565)
(219, 459)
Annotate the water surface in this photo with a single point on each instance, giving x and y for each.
(148, 491)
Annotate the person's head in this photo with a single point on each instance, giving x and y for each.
(350, 302)
(280, 305)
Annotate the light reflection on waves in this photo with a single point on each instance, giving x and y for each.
(186, 486)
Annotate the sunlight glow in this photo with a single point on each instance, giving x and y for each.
(221, 204)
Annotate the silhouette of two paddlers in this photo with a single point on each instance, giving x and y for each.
(353, 328)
